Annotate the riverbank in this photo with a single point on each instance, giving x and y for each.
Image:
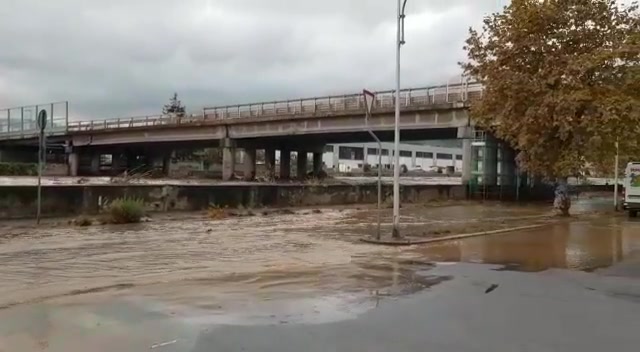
(75, 199)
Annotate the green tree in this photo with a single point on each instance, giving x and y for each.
(174, 107)
(562, 81)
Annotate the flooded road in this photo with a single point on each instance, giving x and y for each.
(282, 255)
(305, 267)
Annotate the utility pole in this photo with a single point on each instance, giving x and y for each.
(369, 100)
(396, 145)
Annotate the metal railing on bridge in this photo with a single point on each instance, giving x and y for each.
(20, 122)
(327, 105)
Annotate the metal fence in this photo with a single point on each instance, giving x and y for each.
(319, 105)
(20, 122)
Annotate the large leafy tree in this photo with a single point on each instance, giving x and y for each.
(562, 81)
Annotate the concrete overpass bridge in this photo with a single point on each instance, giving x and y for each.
(300, 125)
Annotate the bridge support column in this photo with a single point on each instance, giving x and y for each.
(285, 163)
(317, 164)
(466, 133)
(228, 158)
(507, 165)
(116, 164)
(490, 162)
(270, 162)
(161, 162)
(302, 165)
(95, 164)
(73, 159)
(249, 164)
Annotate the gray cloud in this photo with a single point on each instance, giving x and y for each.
(119, 58)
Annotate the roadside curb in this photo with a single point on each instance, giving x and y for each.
(410, 241)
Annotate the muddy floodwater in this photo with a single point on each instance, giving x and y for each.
(188, 259)
(307, 266)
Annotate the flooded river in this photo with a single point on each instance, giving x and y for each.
(190, 260)
(305, 266)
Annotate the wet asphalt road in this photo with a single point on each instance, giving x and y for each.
(302, 282)
(548, 311)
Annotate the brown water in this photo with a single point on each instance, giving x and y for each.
(222, 266)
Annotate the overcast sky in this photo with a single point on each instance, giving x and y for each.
(121, 58)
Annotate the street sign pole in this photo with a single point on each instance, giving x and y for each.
(42, 148)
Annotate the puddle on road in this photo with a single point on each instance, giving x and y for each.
(572, 244)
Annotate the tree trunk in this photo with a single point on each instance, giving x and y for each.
(562, 201)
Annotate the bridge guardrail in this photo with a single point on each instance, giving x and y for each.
(338, 103)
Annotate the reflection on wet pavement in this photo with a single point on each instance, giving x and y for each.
(580, 245)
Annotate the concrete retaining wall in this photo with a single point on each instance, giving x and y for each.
(20, 201)
(531, 194)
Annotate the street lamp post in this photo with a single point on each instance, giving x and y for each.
(396, 144)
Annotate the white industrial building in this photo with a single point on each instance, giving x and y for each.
(347, 157)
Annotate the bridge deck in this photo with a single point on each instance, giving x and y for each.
(328, 105)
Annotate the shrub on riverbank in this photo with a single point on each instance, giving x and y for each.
(216, 212)
(126, 211)
(18, 169)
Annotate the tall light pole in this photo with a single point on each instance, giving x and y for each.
(396, 145)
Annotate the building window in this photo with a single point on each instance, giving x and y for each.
(328, 149)
(443, 156)
(458, 157)
(344, 153)
(424, 155)
(385, 152)
(372, 151)
(405, 153)
(351, 153)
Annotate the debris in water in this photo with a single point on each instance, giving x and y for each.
(164, 344)
(491, 288)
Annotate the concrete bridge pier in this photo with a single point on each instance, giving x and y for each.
(506, 165)
(94, 167)
(490, 161)
(162, 162)
(228, 158)
(302, 164)
(285, 163)
(249, 164)
(317, 163)
(270, 162)
(73, 161)
(466, 134)
(117, 165)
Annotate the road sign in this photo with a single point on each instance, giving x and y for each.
(368, 100)
(42, 120)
